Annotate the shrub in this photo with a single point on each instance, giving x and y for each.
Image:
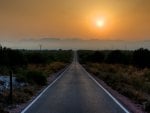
(147, 75)
(2, 109)
(116, 57)
(141, 58)
(97, 56)
(20, 97)
(9, 57)
(28, 90)
(37, 58)
(147, 106)
(36, 77)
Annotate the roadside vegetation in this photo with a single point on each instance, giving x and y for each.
(128, 72)
(32, 69)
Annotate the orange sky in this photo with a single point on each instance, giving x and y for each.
(125, 19)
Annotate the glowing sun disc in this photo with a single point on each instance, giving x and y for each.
(100, 23)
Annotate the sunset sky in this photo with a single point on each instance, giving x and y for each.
(36, 19)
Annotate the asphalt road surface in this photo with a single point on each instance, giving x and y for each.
(74, 92)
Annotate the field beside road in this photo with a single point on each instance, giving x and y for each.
(32, 70)
(127, 72)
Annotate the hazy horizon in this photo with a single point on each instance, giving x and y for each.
(76, 44)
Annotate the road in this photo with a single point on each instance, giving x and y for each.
(75, 92)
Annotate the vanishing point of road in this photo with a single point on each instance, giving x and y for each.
(75, 91)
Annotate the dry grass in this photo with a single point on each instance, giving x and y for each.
(128, 80)
(25, 93)
(47, 68)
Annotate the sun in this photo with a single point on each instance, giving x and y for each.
(100, 22)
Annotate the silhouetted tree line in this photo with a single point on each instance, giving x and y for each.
(9, 57)
(17, 61)
(47, 56)
(139, 57)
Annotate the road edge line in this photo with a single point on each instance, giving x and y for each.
(28, 106)
(109, 94)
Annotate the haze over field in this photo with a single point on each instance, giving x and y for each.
(75, 24)
(56, 43)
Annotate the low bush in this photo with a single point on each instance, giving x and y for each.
(147, 106)
(116, 57)
(36, 77)
(2, 109)
(141, 58)
(20, 97)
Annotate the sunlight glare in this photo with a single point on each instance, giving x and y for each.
(100, 22)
